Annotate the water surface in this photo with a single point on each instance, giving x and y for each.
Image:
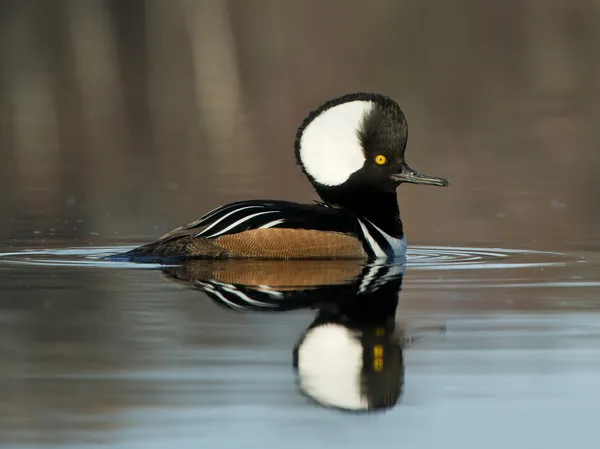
(101, 353)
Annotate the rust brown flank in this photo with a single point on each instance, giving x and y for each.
(284, 243)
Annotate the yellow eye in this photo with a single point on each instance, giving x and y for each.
(380, 159)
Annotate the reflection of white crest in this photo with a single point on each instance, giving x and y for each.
(330, 148)
(330, 361)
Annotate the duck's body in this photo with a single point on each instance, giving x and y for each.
(276, 230)
(352, 150)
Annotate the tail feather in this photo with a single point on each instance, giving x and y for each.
(179, 247)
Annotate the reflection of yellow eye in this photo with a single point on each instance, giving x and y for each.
(380, 159)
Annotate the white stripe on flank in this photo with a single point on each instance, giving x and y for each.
(209, 215)
(379, 253)
(223, 231)
(272, 223)
(224, 217)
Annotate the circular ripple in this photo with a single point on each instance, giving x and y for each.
(463, 258)
(88, 256)
(418, 258)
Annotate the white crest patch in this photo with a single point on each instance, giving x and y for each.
(330, 149)
(330, 360)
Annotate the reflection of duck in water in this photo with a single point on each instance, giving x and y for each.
(350, 357)
(270, 285)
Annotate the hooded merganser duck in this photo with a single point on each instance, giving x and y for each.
(352, 150)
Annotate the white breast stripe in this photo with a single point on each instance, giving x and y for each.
(377, 250)
(398, 245)
(231, 226)
(272, 223)
(224, 217)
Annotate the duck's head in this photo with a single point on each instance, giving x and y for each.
(357, 140)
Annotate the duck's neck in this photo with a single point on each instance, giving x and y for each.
(379, 207)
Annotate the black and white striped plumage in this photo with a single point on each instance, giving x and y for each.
(242, 216)
(262, 214)
(352, 150)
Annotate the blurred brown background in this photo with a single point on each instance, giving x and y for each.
(120, 119)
